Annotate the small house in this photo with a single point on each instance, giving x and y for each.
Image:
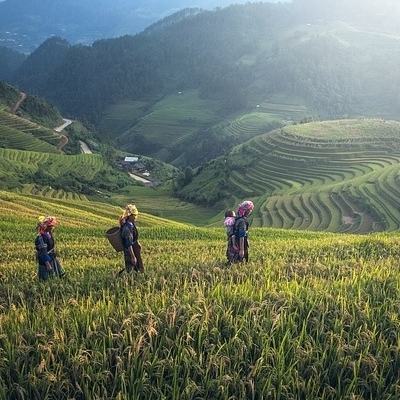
(131, 160)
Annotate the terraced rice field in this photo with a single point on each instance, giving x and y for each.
(311, 316)
(346, 180)
(173, 119)
(19, 133)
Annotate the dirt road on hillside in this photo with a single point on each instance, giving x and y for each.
(22, 97)
(64, 125)
(64, 138)
(85, 148)
(139, 178)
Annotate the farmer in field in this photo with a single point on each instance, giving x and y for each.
(238, 250)
(49, 264)
(129, 236)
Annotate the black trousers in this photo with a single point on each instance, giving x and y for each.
(138, 267)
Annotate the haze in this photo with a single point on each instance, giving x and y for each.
(25, 24)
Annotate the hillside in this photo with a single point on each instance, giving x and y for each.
(70, 212)
(338, 176)
(282, 62)
(311, 316)
(48, 164)
(27, 108)
(335, 176)
(25, 122)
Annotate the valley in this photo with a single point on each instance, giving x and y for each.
(292, 106)
(248, 124)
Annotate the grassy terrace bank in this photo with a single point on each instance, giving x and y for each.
(311, 316)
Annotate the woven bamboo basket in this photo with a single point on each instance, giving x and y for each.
(114, 237)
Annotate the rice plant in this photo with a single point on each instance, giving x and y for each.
(311, 316)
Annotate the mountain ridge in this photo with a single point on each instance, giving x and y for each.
(26, 24)
(240, 60)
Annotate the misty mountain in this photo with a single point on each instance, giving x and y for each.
(25, 24)
(10, 61)
(329, 63)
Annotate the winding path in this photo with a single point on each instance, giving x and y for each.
(59, 129)
(64, 125)
(22, 97)
(85, 148)
(138, 178)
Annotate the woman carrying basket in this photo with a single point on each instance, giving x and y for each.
(129, 237)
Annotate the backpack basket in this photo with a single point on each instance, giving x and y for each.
(114, 237)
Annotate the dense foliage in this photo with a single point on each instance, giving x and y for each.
(10, 61)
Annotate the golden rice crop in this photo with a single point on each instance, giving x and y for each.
(311, 316)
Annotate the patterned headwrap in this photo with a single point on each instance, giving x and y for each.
(130, 209)
(44, 222)
(245, 208)
(229, 221)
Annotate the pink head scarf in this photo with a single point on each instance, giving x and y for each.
(245, 208)
(45, 222)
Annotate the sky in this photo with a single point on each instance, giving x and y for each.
(210, 3)
(220, 3)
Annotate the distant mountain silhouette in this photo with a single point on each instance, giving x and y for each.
(25, 24)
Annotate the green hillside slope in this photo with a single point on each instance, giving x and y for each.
(27, 122)
(44, 164)
(335, 176)
(30, 108)
(340, 176)
(20, 133)
(185, 128)
(82, 174)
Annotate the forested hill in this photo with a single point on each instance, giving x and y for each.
(328, 61)
(236, 54)
(25, 24)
